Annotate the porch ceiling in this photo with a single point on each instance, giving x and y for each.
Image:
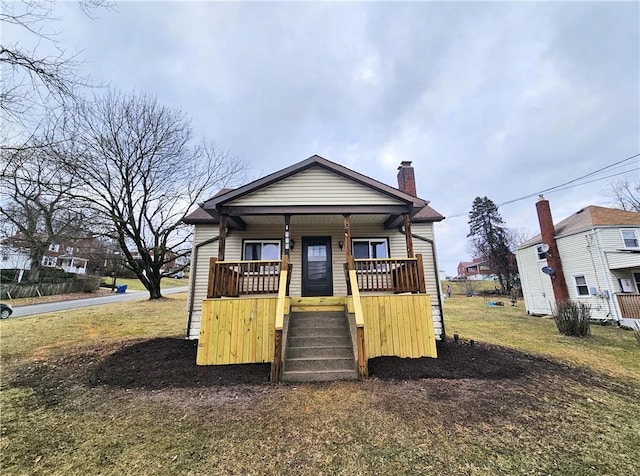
(313, 219)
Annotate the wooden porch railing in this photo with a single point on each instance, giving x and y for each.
(240, 278)
(629, 305)
(397, 275)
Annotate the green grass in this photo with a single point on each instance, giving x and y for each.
(56, 420)
(609, 349)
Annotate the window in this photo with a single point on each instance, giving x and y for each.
(48, 261)
(630, 238)
(53, 247)
(581, 285)
(370, 248)
(541, 252)
(261, 250)
(69, 250)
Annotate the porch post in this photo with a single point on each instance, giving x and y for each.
(222, 237)
(347, 241)
(407, 234)
(287, 237)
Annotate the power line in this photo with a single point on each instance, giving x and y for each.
(567, 185)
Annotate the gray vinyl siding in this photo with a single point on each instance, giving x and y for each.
(315, 186)
(423, 247)
(199, 274)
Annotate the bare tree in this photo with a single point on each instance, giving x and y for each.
(36, 200)
(626, 194)
(37, 74)
(141, 171)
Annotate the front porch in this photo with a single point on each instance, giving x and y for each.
(248, 312)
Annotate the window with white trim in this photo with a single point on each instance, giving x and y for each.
(630, 238)
(261, 250)
(48, 261)
(581, 285)
(54, 247)
(540, 251)
(69, 250)
(370, 248)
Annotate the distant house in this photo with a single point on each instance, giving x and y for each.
(15, 259)
(592, 256)
(478, 269)
(315, 268)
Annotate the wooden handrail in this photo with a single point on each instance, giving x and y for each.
(282, 293)
(395, 275)
(629, 305)
(238, 278)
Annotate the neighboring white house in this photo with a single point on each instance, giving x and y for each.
(599, 252)
(15, 259)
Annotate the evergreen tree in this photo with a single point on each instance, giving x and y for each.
(490, 240)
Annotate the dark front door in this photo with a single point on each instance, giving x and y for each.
(316, 266)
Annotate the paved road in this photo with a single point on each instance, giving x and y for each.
(64, 305)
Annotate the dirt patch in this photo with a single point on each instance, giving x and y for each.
(165, 368)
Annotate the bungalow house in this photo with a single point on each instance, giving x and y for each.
(593, 256)
(316, 269)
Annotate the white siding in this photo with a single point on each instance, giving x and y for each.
(315, 186)
(536, 285)
(593, 254)
(580, 258)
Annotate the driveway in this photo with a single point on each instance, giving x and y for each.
(22, 311)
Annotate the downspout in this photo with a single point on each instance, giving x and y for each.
(607, 276)
(192, 276)
(437, 273)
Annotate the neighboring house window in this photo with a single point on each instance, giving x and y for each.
(581, 285)
(540, 251)
(636, 278)
(370, 248)
(53, 247)
(48, 261)
(630, 238)
(69, 250)
(261, 250)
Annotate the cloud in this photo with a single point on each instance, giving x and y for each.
(492, 98)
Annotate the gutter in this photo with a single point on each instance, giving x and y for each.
(437, 273)
(192, 277)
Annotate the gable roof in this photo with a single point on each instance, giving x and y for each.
(588, 218)
(207, 213)
(312, 161)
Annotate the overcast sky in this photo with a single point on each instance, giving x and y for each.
(495, 99)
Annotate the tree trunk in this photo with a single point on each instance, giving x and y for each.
(154, 286)
(36, 265)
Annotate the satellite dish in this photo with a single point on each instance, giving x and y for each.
(548, 270)
(544, 247)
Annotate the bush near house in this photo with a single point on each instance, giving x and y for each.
(573, 318)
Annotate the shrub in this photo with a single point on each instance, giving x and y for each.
(572, 318)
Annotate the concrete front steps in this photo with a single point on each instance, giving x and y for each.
(318, 346)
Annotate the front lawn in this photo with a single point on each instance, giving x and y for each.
(114, 390)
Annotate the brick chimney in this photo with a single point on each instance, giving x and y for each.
(406, 178)
(548, 231)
